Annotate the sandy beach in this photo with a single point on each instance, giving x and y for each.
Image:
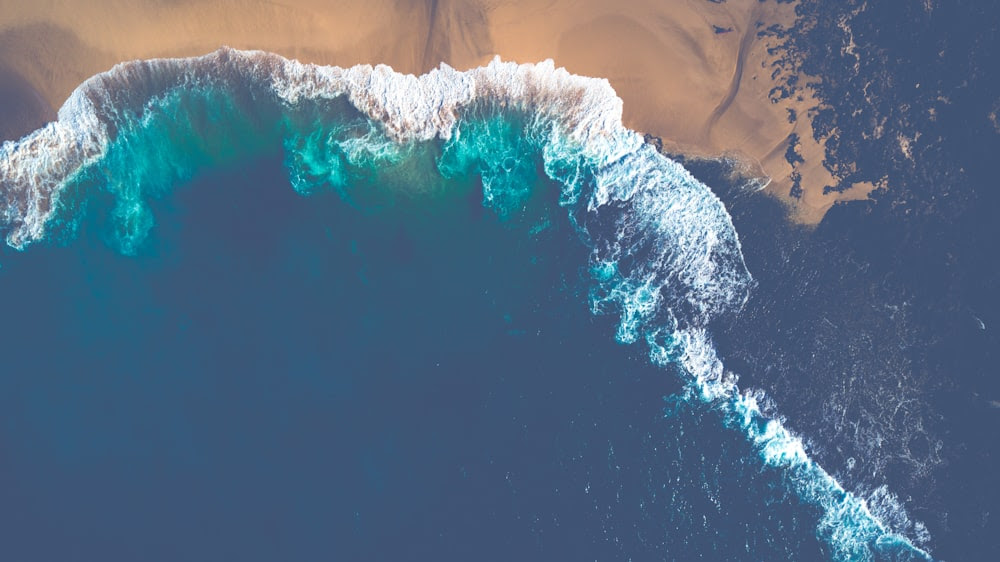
(693, 72)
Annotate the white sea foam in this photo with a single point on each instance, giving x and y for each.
(855, 528)
(34, 169)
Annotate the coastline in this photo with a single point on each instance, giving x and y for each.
(697, 74)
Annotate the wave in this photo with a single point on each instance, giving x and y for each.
(665, 257)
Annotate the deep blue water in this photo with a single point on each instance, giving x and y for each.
(377, 377)
(263, 330)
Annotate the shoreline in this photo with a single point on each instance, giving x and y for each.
(696, 74)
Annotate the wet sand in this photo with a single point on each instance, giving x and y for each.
(693, 72)
(23, 108)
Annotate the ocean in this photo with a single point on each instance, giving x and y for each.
(379, 324)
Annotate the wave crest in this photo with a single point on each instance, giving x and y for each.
(575, 120)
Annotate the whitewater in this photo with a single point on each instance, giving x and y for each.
(665, 258)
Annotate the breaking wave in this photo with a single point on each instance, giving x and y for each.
(665, 257)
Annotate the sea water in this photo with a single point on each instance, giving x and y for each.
(258, 333)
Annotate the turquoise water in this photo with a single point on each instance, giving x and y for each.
(264, 334)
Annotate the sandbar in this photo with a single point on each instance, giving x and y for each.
(695, 73)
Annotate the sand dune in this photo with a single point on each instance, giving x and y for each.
(692, 72)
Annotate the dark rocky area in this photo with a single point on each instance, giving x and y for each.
(876, 333)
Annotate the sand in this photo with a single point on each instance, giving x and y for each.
(704, 93)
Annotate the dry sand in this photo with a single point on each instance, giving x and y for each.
(703, 93)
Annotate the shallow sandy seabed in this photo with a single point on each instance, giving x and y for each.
(704, 93)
